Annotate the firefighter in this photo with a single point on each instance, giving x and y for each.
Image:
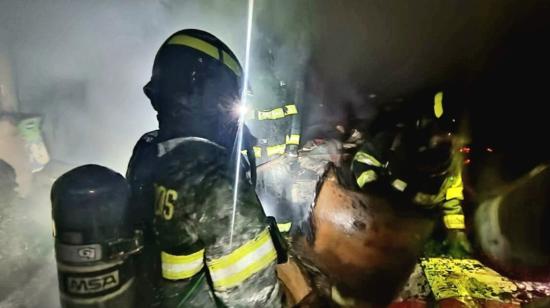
(274, 120)
(187, 169)
(417, 159)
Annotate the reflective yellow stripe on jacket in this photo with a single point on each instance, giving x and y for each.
(284, 227)
(454, 221)
(277, 149)
(234, 268)
(277, 113)
(293, 139)
(366, 177)
(367, 159)
(181, 267)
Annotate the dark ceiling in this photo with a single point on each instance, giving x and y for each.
(492, 53)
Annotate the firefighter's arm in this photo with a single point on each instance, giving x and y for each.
(240, 257)
(453, 220)
(176, 228)
(453, 217)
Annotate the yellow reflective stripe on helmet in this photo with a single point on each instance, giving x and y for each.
(454, 221)
(207, 48)
(181, 267)
(284, 227)
(276, 149)
(438, 104)
(231, 63)
(277, 113)
(366, 177)
(195, 43)
(365, 158)
(234, 268)
(293, 139)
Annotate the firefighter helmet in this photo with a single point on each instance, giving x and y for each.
(193, 64)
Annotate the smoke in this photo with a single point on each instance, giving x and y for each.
(82, 65)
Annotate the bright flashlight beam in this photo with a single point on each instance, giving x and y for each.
(241, 118)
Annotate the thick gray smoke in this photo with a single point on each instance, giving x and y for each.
(82, 65)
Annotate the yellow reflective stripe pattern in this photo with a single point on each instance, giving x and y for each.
(291, 109)
(234, 268)
(231, 63)
(365, 158)
(399, 184)
(284, 227)
(455, 191)
(195, 43)
(293, 139)
(257, 152)
(276, 149)
(366, 177)
(438, 104)
(454, 221)
(181, 267)
(207, 48)
(274, 114)
(277, 113)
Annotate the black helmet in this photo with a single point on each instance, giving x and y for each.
(191, 63)
(195, 85)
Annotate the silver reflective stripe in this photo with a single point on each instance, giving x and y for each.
(78, 253)
(168, 145)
